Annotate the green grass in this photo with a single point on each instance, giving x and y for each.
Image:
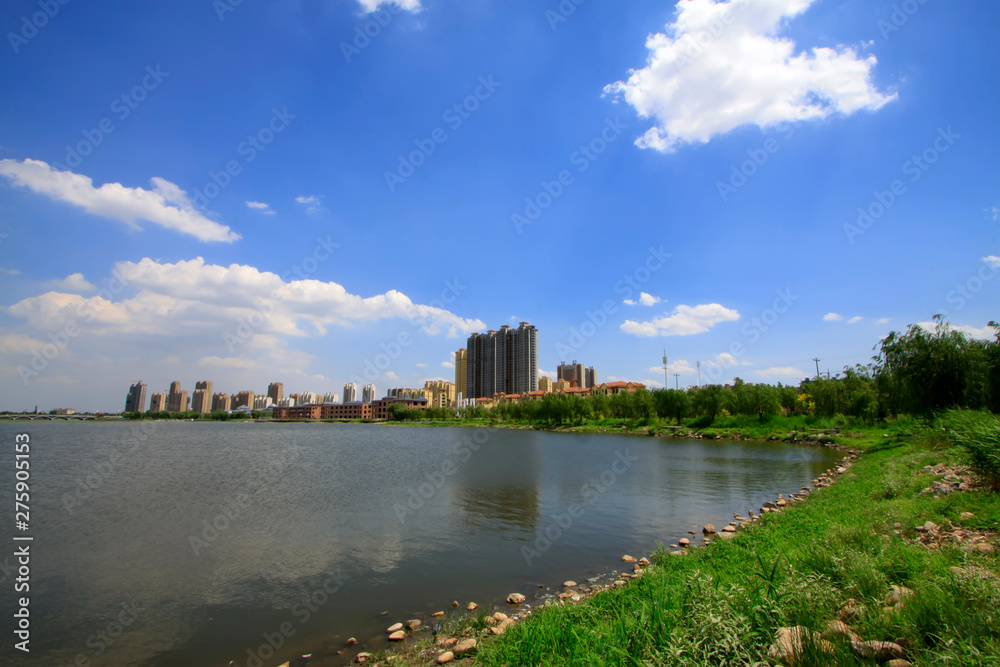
(722, 605)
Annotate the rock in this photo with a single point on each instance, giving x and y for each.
(629, 559)
(445, 657)
(782, 502)
(412, 625)
(875, 650)
(515, 598)
(502, 626)
(455, 603)
(851, 611)
(446, 642)
(727, 536)
(352, 641)
(972, 570)
(395, 627)
(965, 516)
(500, 617)
(677, 553)
(709, 529)
(569, 584)
(397, 636)
(898, 663)
(636, 568)
(437, 614)
(984, 548)
(769, 505)
(930, 527)
(840, 630)
(644, 562)
(619, 582)
(685, 542)
(363, 657)
(472, 606)
(898, 595)
(841, 470)
(465, 647)
(789, 644)
(729, 529)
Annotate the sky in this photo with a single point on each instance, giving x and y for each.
(324, 191)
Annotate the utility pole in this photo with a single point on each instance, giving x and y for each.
(677, 382)
(817, 369)
(666, 381)
(699, 374)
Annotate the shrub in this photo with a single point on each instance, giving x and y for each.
(979, 434)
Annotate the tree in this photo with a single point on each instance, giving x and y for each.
(672, 404)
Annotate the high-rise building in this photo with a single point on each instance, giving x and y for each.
(243, 398)
(439, 394)
(221, 401)
(502, 362)
(310, 398)
(177, 399)
(545, 384)
(287, 402)
(350, 392)
(577, 375)
(331, 398)
(262, 402)
(136, 398)
(461, 368)
(201, 400)
(368, 394)
(276, 391)
(158, 402)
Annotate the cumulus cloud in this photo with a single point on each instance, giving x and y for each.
(983, 333)
(447, 364)
(192, 297)
(832, 317)
(260, 206)
(855, 319)
(74, 282)
(683, 321)
(884, 320)
(723, 65)
(680, 366)
(311, 202)
(992, 261)
(372, 5)
(644, 300)
(166, 204)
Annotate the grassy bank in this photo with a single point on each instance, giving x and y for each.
(723, 604)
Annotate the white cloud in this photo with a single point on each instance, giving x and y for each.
(832, 317)
(855, 319)
(884, 320)
(447, 364)
(680, 366)
(782, 373)
(311, 202)
(10, 272)
(993, 261)
(548, 374)
(644, 300)
(260, 206)
(984, 333)
(725, 359)
(372, 5)
(192, 297)
(421, 365)
(683, 321)
(165, 205)
(74, 282)
(722, 65)
(994, 211)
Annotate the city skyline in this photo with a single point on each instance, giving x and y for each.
(750, 189)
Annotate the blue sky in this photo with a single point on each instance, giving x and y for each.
(264, 192)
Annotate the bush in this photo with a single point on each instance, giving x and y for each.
(979, 434)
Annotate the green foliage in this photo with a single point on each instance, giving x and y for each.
(672, 404)
(978, 433)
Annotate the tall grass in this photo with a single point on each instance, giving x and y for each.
(978, 433)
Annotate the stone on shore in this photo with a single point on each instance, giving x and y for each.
(363, 657)
(465, 647)
(789, 645)
(684, 542)
(876, 650)
(629, 559)
(471, 606)
(898, 596)
(502, 626)
(352, 641)
(644, 562)
(437, 614)
(445, 657)
(397, 636)
(898, 663)
(413, 625)
(709, 529)
(729, 529)
(395, 627)
(569, 584)
(516, 598)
